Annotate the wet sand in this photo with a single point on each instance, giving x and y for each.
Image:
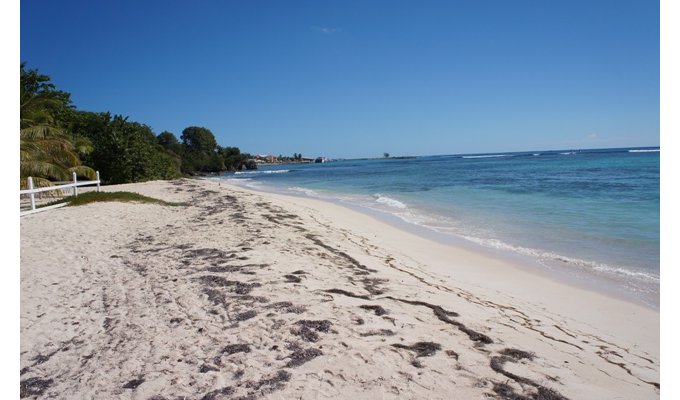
(252, 295)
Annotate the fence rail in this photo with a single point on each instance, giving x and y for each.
(33, 191)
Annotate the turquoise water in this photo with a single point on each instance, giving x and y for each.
(592, 214)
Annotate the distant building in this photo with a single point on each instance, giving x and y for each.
(265, 158)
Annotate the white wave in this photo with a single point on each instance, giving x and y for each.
(550, 256)
(409, 215)
(644, 151)
(497, 244)
(568, 153)
(238, 180)
(389, 201)
(627, 272)
(254, 185)
(308, 192)
(278, 171)
(488, 156)
(537, 154)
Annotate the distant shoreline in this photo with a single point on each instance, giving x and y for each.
(595, 149)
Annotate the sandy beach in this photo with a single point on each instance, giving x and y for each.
(248, 295)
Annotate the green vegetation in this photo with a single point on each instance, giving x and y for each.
(123, 151)
(46, 151)
(57, 139)
(94, 197)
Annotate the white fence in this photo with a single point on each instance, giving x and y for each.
(32, 192)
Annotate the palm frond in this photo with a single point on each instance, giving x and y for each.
(43, 169)
(45, 150)
(85, 171)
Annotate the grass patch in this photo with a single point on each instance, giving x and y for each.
(129, 197)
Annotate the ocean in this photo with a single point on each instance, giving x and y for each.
(590, 216)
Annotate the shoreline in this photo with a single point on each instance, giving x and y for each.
(477, 254)
(246, 293)
(580, 279)
(586, 279)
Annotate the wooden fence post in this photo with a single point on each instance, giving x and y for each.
(75, 182)
(30, 187)
(98, 180)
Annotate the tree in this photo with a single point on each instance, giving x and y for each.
(250, 163)
(386, 155)
(55, 137)
(200, 150)
(46, 151)
(233, 159)
(169, 142)
(199, 140)
(125, 151)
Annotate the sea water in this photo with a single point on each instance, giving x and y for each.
(592, 215)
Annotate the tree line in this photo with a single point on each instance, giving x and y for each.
(56, 139)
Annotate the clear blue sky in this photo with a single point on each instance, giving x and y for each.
(359, 78)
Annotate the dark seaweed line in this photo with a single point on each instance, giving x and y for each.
(627, 351)
(497, 364)
(439, 312)
(467, 296)
(625, 368)
(528, 324)
(564, 331)
(545, 335)
(440, 287)
(348, 294)
(339, 253)
(442, 315)
(502, 307)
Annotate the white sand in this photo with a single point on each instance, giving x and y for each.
(138, 301)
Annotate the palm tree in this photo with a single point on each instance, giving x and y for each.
(46, 152)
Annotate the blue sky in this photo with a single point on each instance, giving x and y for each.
(359, 78)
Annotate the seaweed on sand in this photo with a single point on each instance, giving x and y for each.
(292, 278)
(288, 307)
(443, 315)
(349, 294)
(301, 356)
(308, 329)
(34, 386)
(422, 349)
(381, 332)
(218, 281)
(378, 310)
(513, 355)
(216, 394)
(236, 348)
(517, 354)
(246, 315)
(271, 383)
(317, 325)
(133, 384)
